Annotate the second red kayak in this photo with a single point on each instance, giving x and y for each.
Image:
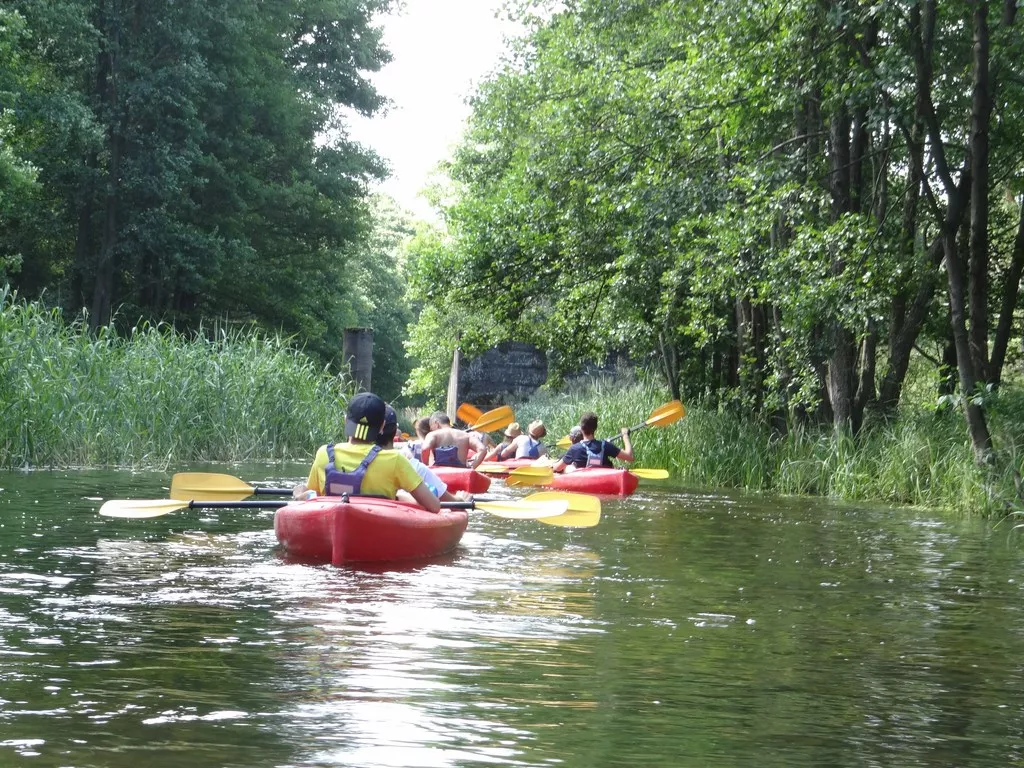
(601, 480)
(329, 530)
(462, 478)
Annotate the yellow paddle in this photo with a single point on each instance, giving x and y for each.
(209, 486)
(662, 416)
(648, 473)
(584, 510)
(499, 418)
(469, 414)
(523, 474)
(515, 509)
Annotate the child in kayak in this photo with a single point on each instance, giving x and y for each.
(594, 452)
(360, 467)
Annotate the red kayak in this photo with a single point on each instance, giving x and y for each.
(329, 530)
(601, 480)
(462, 478)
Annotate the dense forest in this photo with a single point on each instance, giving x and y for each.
(188, 162)
(777, 204)
(780, 207)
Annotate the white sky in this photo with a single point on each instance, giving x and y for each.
(440, 49)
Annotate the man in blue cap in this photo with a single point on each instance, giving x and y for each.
(359, 467)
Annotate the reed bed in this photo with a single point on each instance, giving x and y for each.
(72, 398)
(923, 459)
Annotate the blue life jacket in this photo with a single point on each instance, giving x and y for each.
(594, 459)
(338, 483)
(530, 449)
(447, 456)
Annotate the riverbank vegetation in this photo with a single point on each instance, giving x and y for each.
(152, 397)
(185, 162)
(922, 458)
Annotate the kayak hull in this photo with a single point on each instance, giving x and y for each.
(329, 530)
(600, 480)
(462, 478)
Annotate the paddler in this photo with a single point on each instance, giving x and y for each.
(446, 446)
(412, 449)
(591, 451)
(502, 450)
(361, 467)
(437, 486)
(529, 446)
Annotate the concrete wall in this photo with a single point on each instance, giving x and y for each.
(512, 370)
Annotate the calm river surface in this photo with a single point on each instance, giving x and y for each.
(687, 629)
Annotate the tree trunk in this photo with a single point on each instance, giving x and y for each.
(981, 106)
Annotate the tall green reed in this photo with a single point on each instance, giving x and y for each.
(923, 458)
(72, 398)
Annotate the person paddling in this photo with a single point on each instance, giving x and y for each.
(446, 446)
(529, 446)
(412, 448)
(360, 467)
(591, 451)
(437, 486)
(504, 450)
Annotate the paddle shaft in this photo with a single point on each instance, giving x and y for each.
(284, 502)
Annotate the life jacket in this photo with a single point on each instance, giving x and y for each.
(530, 449)
(447, 456)
(338, 483)
(594, 459)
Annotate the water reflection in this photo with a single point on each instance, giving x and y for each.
(687, 629)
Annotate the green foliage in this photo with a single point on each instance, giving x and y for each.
(71, 398)
(191, 159)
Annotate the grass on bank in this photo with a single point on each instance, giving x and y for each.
(924, 458)
(71, 398)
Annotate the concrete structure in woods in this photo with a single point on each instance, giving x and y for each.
(357, 353)
(512, 370)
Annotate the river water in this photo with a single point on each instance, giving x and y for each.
(687, 629)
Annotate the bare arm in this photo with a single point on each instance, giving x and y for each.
(421, 493)
(626, 452)
(480, 447)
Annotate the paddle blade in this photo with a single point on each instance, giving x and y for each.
(208, 486)
(469, 414)
(584, 510)
(669, 413)
(564, 443)
(524, 509)
(141, 508)
(494, 420)
(530, 476)
(650, 474)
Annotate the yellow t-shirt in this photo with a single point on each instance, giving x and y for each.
(385, 475)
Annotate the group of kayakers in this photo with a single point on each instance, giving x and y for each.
(367, 465)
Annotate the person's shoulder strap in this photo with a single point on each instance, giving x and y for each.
(370, 456)
(330, 453)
